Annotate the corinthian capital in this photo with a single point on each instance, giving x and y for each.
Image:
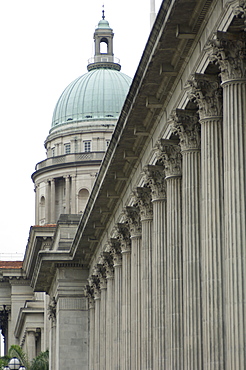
(169, 154)
(240, 11)
(186, 125)
(123, 237)
(142, 199)
(132, 216)
(154, 177)
(207, 92)
(229, 52)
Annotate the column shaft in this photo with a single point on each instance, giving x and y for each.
(136, 303)
(117, 313)
(234, 99)
(212, 242)
(146, 295)
(159, 283)
(126, 309)
(174, 334)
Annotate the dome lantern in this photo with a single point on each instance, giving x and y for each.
(103, 37)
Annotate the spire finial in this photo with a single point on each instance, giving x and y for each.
(103, 16)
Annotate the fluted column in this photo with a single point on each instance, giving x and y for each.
(186, 125)
(155, 179)
(133, 220)
(230, 55)
(108, 264)
(207, 93)
(117, 258)
(143, 200)
(125, 243)
(170, 153)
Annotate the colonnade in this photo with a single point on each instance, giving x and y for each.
(168, 292)
(50, 192)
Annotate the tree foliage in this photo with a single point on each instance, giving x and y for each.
(41, 362)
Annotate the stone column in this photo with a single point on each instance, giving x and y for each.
(125, 244)
(47, 202)
(52, 201)
(67, 192)
(155, 179)
(90, 295)
(133, 221)
(117, 258)
(207, 93)
(37, 204)
(230, 55)
(103, 289)
(170, 154)
(73, 195)
(108, 264)
(94, 280)
(143, 200)
(31, 343)
(186, 125)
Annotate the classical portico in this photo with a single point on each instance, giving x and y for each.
(152, 274)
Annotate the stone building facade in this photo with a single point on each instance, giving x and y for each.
(154, 275)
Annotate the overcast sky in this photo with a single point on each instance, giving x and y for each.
(45, 45)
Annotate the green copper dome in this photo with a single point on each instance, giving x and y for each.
(97, 95)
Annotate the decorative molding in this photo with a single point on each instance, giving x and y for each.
(240, 11)
(132, 216)
(186, 125)
(108, 264)
(229, 53)
(123, 235)
(154, 177)
(52, 309)
(142, 200)
(170, 156)
(207, 92)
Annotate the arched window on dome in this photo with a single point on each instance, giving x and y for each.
(82, 199)
(42, 211)
(104, 46)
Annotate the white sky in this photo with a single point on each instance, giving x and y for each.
(45, 45)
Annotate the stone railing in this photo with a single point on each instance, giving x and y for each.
(68, 158)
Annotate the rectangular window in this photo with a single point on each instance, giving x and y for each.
(67, 148)
(53, 152)
(87, 146)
